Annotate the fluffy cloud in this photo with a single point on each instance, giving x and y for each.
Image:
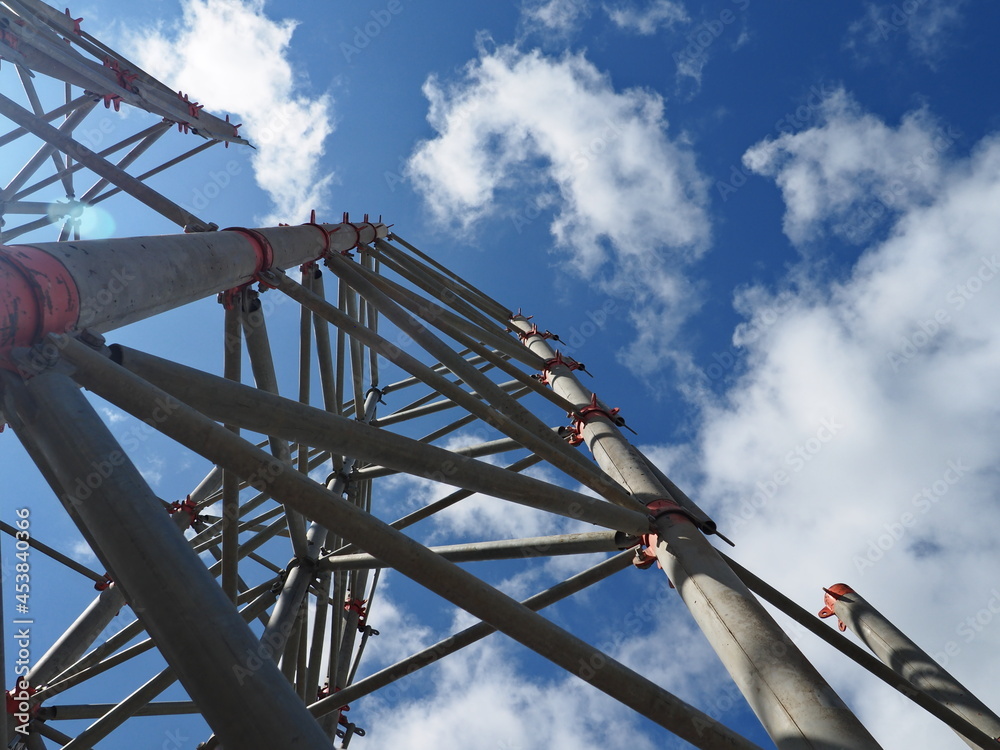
(648, 20)
(599, 158)
(482, 697)
(229, 55)
(926, 25)
(863, 433)
(849, 171)
(559, 16)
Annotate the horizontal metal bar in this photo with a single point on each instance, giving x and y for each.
(491, 448)
(434, 407)
(506, 549)
(70, 711)
(467, 637)
(237, 404)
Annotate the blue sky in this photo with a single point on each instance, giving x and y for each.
(768, 229)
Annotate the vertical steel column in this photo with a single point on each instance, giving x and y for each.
(324, 352)
(232, 370)
(196, 627)
(907, 659)
(794, 703)
(300, 577)
(262, 363)
(509, 417)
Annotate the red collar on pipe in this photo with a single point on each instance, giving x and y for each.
(37, 297)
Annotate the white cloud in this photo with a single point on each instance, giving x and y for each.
(559, 16)
(404, 634)
(700, 42)
(230, 56)
(80, 551)
(851, 170)
(860, 443)
(556, 130)
(483, 697)
(927, 26)
(152, 470)
(648, 20)
(477, 517)
(113, 416)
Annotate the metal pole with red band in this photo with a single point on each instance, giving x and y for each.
(105, 284)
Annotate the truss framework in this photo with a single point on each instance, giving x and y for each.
(269, 651)
(39, 41)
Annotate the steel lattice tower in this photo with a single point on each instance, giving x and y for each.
(398, 356)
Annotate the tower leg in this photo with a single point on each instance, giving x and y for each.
(797, 707)
(907, 659)
(200, 634)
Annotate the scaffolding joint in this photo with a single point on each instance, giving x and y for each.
(581, 417)
(236, 134)
(187, 506)
(533, 331)
(518, 316)
(76, 23)
(645, 553)
(830, 598)
(663, 506)
(557, 360)
(357, 606)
